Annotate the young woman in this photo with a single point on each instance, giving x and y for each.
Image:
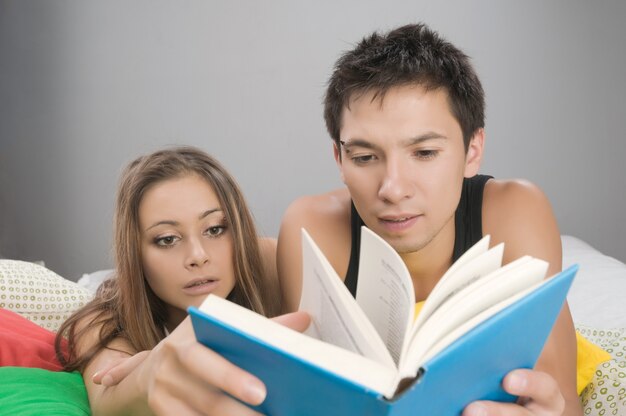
(182, 230)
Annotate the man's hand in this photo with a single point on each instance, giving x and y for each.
(539, 396)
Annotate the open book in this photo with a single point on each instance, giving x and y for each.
(370, 356)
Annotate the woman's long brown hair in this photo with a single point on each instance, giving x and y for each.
(125, 306)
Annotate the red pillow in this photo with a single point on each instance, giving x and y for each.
(25, 344)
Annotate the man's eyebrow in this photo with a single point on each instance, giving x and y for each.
(356, 142)
(424, 137)
(175, 223)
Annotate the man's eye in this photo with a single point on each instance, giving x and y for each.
(426, 154)
(361, 160)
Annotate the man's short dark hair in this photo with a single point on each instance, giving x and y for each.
(409, 55)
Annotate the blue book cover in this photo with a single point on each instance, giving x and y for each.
(469, 369)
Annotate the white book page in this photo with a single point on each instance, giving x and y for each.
(473, 265)
(459, 275)
(335, 316)
(475, 321)
(473, 300)
(346, 364)
(385, 291)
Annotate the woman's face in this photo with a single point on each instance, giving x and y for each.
(186, 244)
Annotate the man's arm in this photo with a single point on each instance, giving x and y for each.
(519, 214)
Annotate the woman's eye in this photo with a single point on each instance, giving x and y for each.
(166, 241)
(215, 231)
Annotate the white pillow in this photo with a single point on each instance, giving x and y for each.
(39, 294)
(92, 281)
(598, 295)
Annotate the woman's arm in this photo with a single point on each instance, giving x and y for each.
(179, 376)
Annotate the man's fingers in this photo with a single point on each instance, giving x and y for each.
(494, 409)
(539, 395)
(298, 321)
(541, 390)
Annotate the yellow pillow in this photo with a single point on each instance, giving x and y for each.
(588, 357)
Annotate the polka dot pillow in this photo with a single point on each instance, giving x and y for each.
(606, 393)
(39, 294)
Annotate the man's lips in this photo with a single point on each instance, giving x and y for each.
(397, 223)
(397, 218)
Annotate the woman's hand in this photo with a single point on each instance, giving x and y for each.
(539, 395)
(116, 370)
(181, 376)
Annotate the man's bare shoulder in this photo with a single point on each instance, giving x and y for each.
(326, 218)
(326, 210)
(519, 213)
(513, 196)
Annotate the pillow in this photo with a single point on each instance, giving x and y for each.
(24, 344)
(93, 280)
(606, 393)
(34, 391)
(39, 294)
(588, 357)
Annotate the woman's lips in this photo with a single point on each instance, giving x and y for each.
(201, 286)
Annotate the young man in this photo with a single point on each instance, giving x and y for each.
(406, 113)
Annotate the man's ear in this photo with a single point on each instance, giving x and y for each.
(474, 155)
(338, 160)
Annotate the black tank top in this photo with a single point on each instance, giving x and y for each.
(468, 226)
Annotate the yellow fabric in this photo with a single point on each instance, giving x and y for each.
(418, 308)
(588, 356)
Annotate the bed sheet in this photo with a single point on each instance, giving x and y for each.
(598, 295)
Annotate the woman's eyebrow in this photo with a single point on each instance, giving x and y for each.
(175, 223)
(164, 222)
(209, 212)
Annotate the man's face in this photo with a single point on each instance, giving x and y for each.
(403, 161)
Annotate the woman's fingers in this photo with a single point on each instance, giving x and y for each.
(189, 378)
(298, 321)
(116, 371)
(214, 370)
(198, 377)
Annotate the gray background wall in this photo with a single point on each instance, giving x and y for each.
(85, 86)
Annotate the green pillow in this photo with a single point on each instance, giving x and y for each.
(33, 391)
